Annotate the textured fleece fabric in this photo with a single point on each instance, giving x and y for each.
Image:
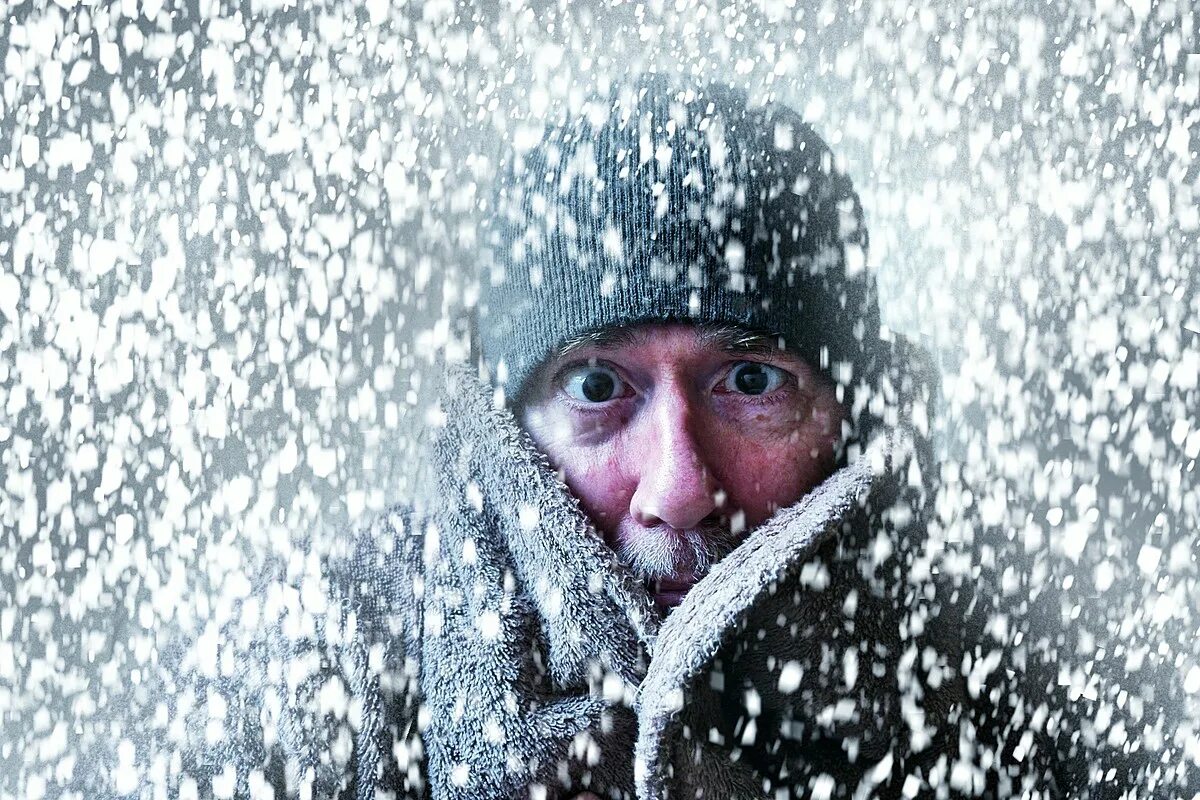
(492, 647)
(495, 710)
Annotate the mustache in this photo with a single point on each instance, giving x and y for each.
(663, 552)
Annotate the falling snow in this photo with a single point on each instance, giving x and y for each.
(237, 246)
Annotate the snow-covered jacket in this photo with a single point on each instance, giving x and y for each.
(491, 646)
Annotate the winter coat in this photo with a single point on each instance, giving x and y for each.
(491, 646)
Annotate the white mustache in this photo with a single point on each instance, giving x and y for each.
(663, 552)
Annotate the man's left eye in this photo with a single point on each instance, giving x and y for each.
(753, 378)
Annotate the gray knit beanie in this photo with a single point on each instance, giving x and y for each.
(673, 204)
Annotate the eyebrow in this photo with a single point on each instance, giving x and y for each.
(604, 338)
(736, 339)
(729, 337)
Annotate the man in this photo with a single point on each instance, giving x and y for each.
(671, 529)
(673, 289)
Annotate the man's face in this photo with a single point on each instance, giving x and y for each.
(678, 439)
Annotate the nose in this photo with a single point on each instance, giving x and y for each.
(675, 485)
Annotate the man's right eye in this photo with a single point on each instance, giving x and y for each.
(593, 383)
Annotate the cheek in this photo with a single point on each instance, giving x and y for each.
(595, 475)
(593, 460)
(763, 475)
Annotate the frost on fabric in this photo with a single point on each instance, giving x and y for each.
(233, 239)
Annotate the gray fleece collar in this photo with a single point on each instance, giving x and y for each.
(517, 568)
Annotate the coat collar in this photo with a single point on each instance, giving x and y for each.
(592, 609)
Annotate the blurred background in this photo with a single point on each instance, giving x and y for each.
(237, 239)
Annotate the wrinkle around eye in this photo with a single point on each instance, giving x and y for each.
(789, 383)
(775, 375)
(567, 377)
(592, 424)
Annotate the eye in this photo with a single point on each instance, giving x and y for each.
(593, 383)
(751, 377)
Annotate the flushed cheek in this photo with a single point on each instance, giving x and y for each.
(591, 471)
(594, 477)
(827, 424)
(760, 480)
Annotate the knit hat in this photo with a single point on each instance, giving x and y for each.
(676, 204)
